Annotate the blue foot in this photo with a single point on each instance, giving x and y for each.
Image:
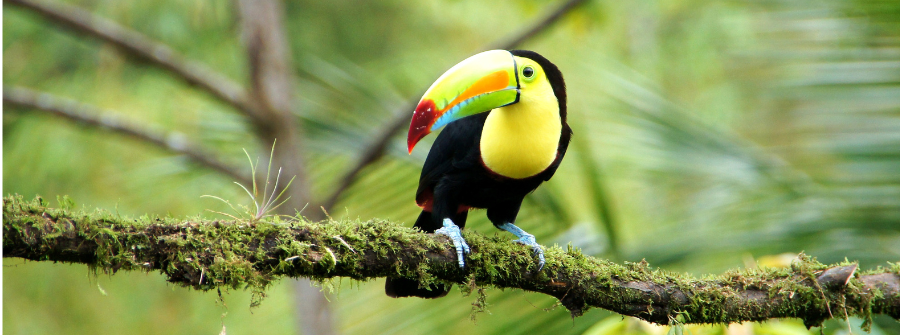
(450, 229)
(526, 239)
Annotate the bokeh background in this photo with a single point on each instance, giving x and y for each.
(708, 135)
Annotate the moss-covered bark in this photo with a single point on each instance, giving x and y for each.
(207, 254)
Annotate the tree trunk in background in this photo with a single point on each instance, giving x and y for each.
(272, 92)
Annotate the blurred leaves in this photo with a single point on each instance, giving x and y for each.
(716, 129)
(616, 325)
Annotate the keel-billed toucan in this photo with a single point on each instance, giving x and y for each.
(506, 133)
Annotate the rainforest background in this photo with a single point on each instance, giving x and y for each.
(708, 135)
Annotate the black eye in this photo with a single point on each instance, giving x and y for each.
(528, 72)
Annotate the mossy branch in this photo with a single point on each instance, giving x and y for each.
(206, 254)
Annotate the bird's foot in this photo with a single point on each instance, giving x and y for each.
(526, 239)
(452, 230)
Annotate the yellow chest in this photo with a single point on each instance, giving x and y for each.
(520, 140)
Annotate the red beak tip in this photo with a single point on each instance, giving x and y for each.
(414, 138)
(420, 125)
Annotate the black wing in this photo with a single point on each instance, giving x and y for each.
(455, 149)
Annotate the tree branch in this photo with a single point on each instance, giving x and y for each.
(538, 27)
(375, 150)
(142, 47)
(88, 115)
(212, 254)
(272, 82)
(272, 87)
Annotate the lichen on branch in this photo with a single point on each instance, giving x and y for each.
(207, 254)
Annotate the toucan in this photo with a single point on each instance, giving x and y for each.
(504, 114)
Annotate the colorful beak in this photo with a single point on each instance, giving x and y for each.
(478, 84)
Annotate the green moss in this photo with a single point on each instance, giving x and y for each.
(206, 254)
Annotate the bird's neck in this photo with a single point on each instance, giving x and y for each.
(520, 140)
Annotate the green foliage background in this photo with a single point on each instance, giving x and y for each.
(707, 134)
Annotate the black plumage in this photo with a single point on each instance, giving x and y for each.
(454, 179)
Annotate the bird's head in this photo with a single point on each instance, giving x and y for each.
(480, 83)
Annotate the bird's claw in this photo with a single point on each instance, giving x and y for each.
(526, 239)
(452, 230)
(529, 240)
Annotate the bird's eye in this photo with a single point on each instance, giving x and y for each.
(528, 72)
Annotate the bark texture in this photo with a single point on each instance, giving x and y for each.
(206, 254)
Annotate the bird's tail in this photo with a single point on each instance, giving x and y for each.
(402, 287)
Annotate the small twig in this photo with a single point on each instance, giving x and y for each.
(95, 117)
(338, 237)
(846, 316)
(538, 27)
(326, 213)
(560, 301)
(827, 303)
(821, 291)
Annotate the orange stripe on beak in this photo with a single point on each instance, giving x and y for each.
(478, 84)
(493, 82)
(426, 114)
